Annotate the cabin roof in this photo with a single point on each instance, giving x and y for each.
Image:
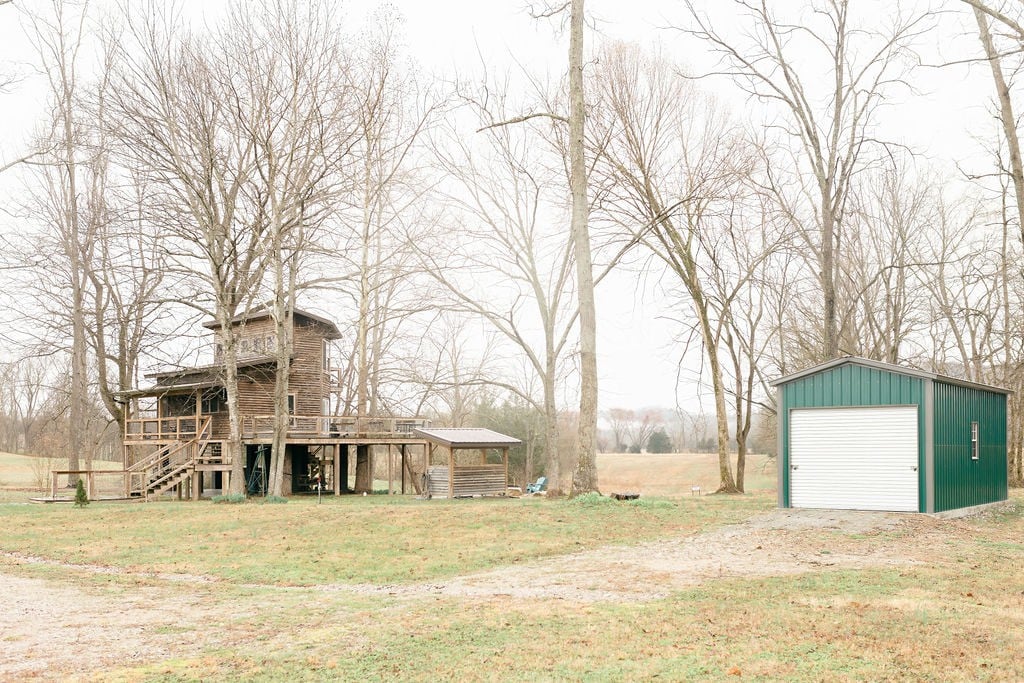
(161, 389)
(467, 437)
(263, 312)
(215, 367)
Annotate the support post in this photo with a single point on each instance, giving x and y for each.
(404, 467)
(391, 476)
(337, 469)
(364, 469)
(451, 472)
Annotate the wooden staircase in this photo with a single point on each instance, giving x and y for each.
(169, 466)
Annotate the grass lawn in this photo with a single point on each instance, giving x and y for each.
(350, 539)
(273, 604)
(958, 620)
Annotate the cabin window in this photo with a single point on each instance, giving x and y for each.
(974, 441)
(214, 401)
(291, 404)
(257, 345)
(271, 343)
(218, 353)
(243, 347)
(327, 355)
(179, 405)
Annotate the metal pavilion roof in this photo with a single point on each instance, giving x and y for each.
(467, 437)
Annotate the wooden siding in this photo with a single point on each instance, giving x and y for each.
(479, 480)
(306, 378)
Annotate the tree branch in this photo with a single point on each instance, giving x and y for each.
(524, 117)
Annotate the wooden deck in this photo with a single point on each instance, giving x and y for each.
(302, 429)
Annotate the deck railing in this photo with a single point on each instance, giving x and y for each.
(332, 426)
(165, 428)
(170, 429)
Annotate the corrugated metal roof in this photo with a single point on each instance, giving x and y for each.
(868, 363)
(467, 437)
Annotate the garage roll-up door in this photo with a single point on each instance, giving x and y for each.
(854, 458)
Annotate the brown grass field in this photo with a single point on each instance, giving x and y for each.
(674, 474)
(669, 587)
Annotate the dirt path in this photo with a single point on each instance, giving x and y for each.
(777, 543)
(49, 630)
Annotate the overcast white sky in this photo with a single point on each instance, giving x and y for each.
(638, 359)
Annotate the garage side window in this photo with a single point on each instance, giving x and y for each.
(974, 441)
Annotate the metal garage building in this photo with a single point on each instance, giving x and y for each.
(863, 435)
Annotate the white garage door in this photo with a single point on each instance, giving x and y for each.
(854, 458)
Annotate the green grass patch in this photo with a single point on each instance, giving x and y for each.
(355, 539)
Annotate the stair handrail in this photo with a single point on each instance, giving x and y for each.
(194, 446)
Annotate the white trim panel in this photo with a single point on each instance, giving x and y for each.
(854, 458)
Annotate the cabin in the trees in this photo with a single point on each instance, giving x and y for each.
(178, 443)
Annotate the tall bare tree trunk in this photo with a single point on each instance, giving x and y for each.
(584, 476)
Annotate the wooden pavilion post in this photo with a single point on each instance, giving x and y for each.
(504, 458)
(451, 472)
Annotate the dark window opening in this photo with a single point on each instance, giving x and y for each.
(214, 401)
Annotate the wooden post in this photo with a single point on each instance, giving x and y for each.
(504, 457)
(195, 484)
(337, 469)
(451, 472)
(402, 450)
(53, 485)
(427, 450)
(483, 456)
(90, 485)
(391, 485)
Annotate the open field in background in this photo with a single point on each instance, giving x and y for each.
(665, 475)
(673, 474)
(24, 476)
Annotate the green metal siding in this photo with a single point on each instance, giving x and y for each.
(959, 480)
(851, 386)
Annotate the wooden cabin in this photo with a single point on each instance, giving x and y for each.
(178, 445)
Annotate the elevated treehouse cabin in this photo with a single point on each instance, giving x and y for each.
(179, 446)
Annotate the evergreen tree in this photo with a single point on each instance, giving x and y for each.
(81, 497)
(659, 442)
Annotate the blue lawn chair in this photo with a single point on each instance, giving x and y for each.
(538, 486)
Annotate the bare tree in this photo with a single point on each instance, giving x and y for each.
(168, 106)
(502, 261)
(58, 33)
(675, 164)
(832, 125)
(288, 99)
